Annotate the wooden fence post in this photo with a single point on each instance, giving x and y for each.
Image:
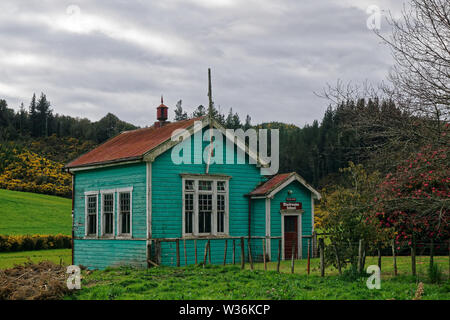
(322, 257)
(178, 252)
(338, 259)
(225, 253)
(314, 245)
(149, 254)
(292, 258)
(206, 252)
(413, 257)
(309, 257)
(234, 252)
(250, 259)
(264, 254)
(195, 245)
(379, 255)
(209, 251)
(394, 257)
(360, 256)
(431, 252)
(158, 252)
(242, 253)
(449, 259)
(279, 255)
(185, 252)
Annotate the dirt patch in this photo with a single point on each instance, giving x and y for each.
(33, 281)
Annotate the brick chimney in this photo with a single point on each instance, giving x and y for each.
(161, 114)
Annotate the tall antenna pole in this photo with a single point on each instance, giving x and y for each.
(210, 121)
(210, 93)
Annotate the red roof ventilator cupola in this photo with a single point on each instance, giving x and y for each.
(161, 114)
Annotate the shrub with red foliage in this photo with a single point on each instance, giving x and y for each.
(415, 199)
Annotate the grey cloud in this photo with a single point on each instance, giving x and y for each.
(267, 60)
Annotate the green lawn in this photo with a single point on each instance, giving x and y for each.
(387, 266)
(31, 213)
(9, 259)
(217, 282)
(230, 282)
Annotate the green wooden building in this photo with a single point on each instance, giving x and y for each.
(133, 205)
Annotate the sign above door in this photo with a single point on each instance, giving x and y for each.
(290, 205)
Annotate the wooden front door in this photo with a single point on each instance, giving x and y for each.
(290, 237)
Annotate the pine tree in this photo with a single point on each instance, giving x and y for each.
(44, 114)
(179, 113)
(247, 124)
(33, 117)
(199, 112)
(23, 119)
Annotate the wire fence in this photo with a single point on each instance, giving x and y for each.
(311, 255)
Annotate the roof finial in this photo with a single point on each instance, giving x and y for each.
(162, 101)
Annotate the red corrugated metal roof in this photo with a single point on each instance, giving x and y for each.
(271, 184)
(130, 145)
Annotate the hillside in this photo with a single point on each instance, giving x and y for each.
(29, 213)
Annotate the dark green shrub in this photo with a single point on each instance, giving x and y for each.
(434, 273)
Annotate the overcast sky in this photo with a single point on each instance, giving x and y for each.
(268, 57)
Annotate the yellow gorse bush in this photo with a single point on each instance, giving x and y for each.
(33, 173)
(34, 242)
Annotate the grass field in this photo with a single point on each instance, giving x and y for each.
(387, 266)
(230, 282)
(217, 282)
(31, 213)
(9, 259)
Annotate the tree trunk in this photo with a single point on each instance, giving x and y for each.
(394, 257)
(379, 255)
(322, 257)
(431, 253)
(360, 253)
(338, 260)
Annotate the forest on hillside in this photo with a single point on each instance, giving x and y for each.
(35, 140)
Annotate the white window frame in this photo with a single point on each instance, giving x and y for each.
(196, 192)
(103, 224)
(87, 194)
(119, 225)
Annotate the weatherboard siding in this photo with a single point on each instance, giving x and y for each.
(166, 212)
(99, 254)
(167, 202)
(301, 194)
(93, 252)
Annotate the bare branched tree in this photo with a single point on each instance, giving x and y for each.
(420, 45)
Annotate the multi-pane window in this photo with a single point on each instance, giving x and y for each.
(108, 213)
(91, 215)
(188, 212)
(205, 206)
(221, 186)
(125, 213)
(204, 213)
(220, 213)
(205, 185)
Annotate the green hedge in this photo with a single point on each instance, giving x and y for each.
(34, 242)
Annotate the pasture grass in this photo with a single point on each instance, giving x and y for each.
(387, 266)
(30, 213)
(230, 282)
(10, 259)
